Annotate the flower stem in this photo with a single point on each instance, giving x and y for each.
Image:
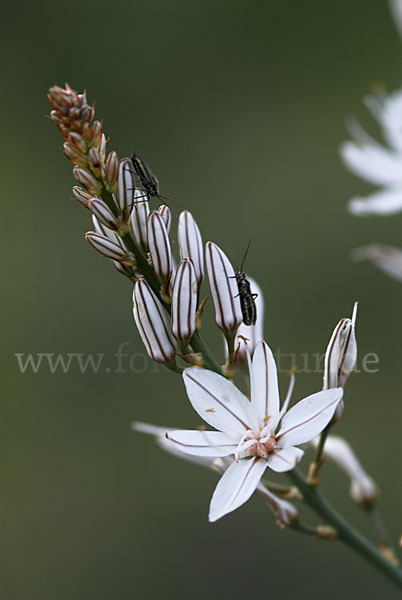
(347, 533)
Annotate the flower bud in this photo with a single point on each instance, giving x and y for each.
(77, 141)
(363, 489)
(159, 246)
(86, 178)
(139, 219)
(153, 324)
(82, 196)
(111, 171)
(184, 301)
(102, 147)
(166, 215)
(253, 333)
(103, 213)
(106, 247)
(74, 155)
(223, 285)
(95, 161)
(190, 243)
(125, 187)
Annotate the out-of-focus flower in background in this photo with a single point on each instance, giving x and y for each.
(377, 163)
(386, 258)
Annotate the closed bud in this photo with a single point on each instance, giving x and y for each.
(78, 141)
(96, 136)
(106, 232)
(363, 489)
(125, 187)
(82, 196)
(190, 243)
(223, 285)
(166, 215)
(111, 171)
(86, 179)
(95, 161)
(153, 324)
(103, 213)
(139, 219)
(74, 155)
(106, 247)
(159, 246)
(184, 301)
(102, 148)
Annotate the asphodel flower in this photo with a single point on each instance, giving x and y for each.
(256, 432)
(363, 489)
(125, 193)
(284, 513)
(228, 314)
(153, 324)
(139, 219)
(102, 212)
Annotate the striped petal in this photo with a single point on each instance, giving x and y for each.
(264, 384)
(203, 443)
(308, 417)
(285, 459)
(217, 400)
(236, 486)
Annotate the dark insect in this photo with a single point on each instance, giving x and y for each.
(148, 181)
(247, 298)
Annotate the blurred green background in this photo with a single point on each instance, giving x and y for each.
(239, 107)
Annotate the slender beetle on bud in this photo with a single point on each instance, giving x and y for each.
(253, 333)
(184, 301)
(190, 243)
(228, 314)
(153, 324)
(159, 246)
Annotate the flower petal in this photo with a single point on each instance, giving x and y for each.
(236, 486)
(385, 258)
(264, 384)
(386, 202)
(285, 459)
(203, 443)
(308, 417)
(373, 162)
(217, 400)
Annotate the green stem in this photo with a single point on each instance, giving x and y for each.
(198, 345)
(347, 533)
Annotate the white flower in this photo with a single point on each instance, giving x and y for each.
(247, 428)
(386, 258)
(363, 489)
(285, 514)
(376, 163)
(396, 10)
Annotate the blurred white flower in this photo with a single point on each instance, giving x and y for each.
(284, 512)
(386, 258)
(375, 162)
(246, 429)
(396, 10)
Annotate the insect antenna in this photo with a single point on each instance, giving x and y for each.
(245, 255)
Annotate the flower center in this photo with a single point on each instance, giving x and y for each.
(263, 447)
